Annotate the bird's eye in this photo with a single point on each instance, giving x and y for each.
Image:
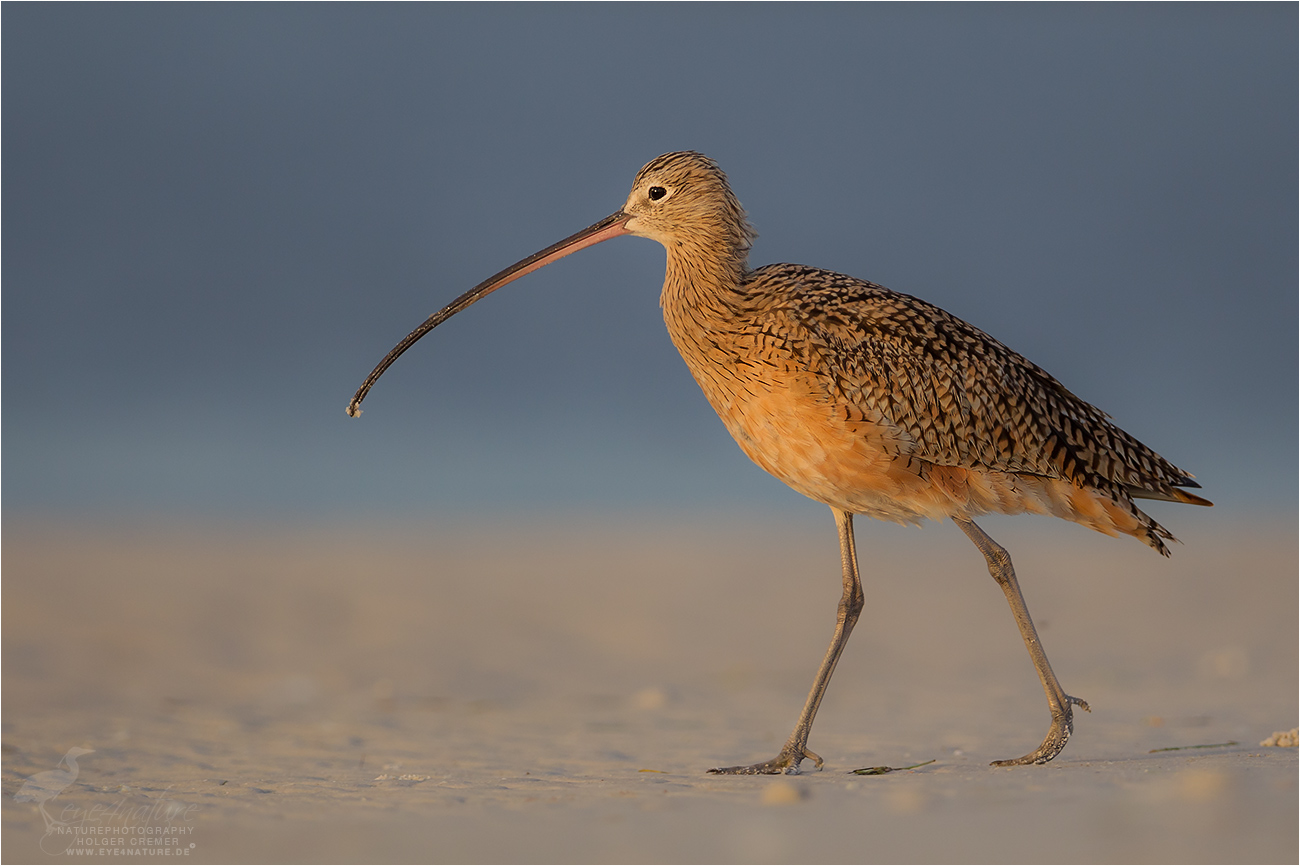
(656, 193)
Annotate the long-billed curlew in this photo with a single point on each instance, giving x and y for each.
(870, 401)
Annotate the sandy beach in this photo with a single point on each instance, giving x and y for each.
(553, 690)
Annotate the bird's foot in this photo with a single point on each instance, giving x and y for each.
(787, 762)
(1057, 736)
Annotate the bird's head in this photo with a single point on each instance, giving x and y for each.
(683, 199)
(680, 199)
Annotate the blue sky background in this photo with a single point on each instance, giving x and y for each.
(218, 218)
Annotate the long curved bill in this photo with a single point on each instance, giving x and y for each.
(610, 227)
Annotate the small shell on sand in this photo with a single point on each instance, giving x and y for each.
(1289, 739)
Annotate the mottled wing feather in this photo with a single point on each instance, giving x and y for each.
(954, 395)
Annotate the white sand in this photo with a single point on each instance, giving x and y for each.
(554, 693)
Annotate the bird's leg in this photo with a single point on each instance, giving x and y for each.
(796, 748)
(1057, 700)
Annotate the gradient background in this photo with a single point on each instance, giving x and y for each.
(217, 219)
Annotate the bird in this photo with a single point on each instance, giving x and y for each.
(871, 401)
(40, 787)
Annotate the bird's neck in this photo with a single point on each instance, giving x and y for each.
(702, 289)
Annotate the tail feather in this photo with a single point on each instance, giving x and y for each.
(1173, 495)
